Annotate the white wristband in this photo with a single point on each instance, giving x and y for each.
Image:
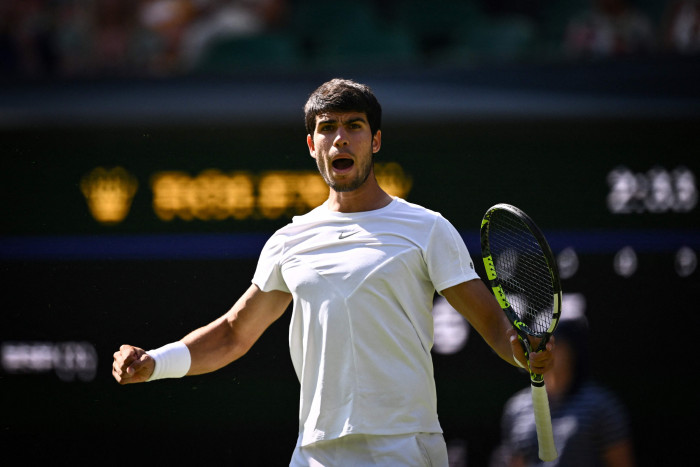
(172, 361)
(517, 362)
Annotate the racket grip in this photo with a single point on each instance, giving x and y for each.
(543, 423)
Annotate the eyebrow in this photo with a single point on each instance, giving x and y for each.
(335, 120)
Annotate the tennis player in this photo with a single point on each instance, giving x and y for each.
(362, 270)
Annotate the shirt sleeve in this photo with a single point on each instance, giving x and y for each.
(268, 274)
(447, 257)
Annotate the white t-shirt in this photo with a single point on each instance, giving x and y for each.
(361, 330)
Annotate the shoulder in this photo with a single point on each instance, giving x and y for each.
(301, 228)
(318, 213)
(412, 212)
(401, 205)
(595, 399)
(302, 222)
(298, 226)
(604, 410)
(600, 396)
(596, 392)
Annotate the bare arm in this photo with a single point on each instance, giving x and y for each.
(474, 301)
(215, 345)
(232, 335)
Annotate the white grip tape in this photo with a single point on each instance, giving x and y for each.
(172, 361)
(543, 422)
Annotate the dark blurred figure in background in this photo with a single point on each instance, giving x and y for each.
(610, 28)
(113, 37)
(590, 425)
(26, 47)
(681, 28)
(121, 38)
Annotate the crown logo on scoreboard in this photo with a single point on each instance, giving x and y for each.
(109, 193)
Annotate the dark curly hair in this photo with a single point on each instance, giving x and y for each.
(343, 95)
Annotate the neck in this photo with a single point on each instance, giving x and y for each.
(368, 197)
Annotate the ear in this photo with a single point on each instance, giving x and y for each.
(311, 145)
(377, 142)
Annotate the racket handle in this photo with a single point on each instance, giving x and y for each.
(543, 423)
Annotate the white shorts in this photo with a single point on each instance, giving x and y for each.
(414, 450)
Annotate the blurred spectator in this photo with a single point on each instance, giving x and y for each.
(117, 38)
(164, 24)
(219, 19)
(9, 56)
(73, 29)
(115, 25)
(610, 28)
(26, 48)
(590, 425)
(107, 38)
(681, 31)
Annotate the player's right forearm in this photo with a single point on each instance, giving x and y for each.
(214, 346)
(229, 338)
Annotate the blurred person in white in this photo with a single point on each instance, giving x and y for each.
(590, 425)
(176, 32)
(220, 19)
(609, 28)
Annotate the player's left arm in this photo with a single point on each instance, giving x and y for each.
(474, 301)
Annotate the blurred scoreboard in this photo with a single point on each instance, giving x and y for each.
(569, 175)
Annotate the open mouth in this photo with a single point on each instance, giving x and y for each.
(343, 164)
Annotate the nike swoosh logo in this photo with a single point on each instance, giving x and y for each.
(347, 234)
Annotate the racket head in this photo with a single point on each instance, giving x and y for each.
(521, 270)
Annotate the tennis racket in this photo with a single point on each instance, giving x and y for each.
(523, 275)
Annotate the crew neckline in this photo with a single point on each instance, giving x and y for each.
(341, 214)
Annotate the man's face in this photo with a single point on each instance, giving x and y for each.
(343, 145)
